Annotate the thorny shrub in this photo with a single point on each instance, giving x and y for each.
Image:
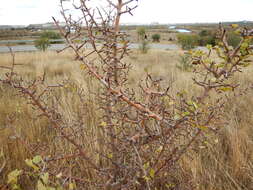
(141, 134)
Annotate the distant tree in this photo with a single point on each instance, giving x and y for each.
(233, 39)
(42, 44)
(141, 31)
(144, 46)
(188, 41)
(205, 40)
(207, 37)
(203, 33)
(156, 37)
(50, 35)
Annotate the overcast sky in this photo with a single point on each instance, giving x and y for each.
(23, 12)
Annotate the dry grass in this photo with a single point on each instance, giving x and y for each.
(224, 161)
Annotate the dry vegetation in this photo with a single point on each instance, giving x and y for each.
(222, 161)
(96, 118)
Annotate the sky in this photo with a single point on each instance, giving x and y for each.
(24, 12)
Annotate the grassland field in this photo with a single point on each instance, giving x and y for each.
(224, 162)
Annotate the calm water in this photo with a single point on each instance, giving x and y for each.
(181, 30)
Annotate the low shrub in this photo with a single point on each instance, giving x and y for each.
(188, 41)
(207, 37)
(185, 62)
(50, 35)
(42, 44)
(144, 46)
(156, 37)
(233, 39)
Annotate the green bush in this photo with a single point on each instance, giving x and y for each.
(50, 35)
(141, 31)
(42, 44)
(205, 40)
(233, 39)
(188, 41)
(156, 37)
(204, 33)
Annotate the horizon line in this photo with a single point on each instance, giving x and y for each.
(144, 23)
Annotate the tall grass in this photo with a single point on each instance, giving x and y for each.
(224, 161)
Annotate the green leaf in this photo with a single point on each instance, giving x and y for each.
(186, 113)
(50, 188)
(13, 176)
(44, 178)
(194, 104)
(221, 65)
(177, 117)
(237, 31)
(208, 46)
(245, 45)
(37, 159)
(41, 186)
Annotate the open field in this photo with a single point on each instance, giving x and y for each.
(168, 36)
(224, 161)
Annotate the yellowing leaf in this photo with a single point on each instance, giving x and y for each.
(13, 176)
(31, 164)
(59, 175)
(103, 124)
(110, 155)
(146, 178)
(72, 186)
(159, 149)
(234, 25)
(146, 165)
(225, 89)
(171, 103)
(203, 127)
(82, 67)
(170, 185)
(152, 173)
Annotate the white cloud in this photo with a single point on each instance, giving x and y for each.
(163, 11)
